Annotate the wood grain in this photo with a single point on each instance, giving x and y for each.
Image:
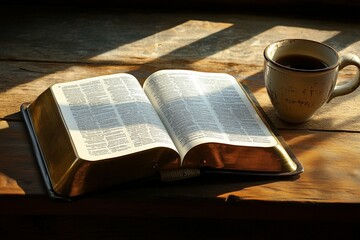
(120, 36)
(332, 172)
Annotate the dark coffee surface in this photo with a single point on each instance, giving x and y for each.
(302, 62)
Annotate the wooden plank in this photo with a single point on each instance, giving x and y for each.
(332, 173)
(24, 81)
(120, 36)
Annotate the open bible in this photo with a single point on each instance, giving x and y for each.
(93, 133)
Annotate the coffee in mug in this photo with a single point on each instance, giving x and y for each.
(301, 62)
(300, 76)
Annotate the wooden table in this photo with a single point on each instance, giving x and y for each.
(40, 47)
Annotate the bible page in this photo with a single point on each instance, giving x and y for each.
(109, 116)
(199, 107)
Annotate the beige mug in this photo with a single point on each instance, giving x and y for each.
(301, 76)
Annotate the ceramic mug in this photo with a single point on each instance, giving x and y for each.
(300, 76)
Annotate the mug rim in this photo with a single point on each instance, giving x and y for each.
(330, 67)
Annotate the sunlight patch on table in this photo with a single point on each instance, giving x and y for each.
(9, 186)
(251, 49)
(164, 42)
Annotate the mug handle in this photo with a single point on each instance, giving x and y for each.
(353, 83)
